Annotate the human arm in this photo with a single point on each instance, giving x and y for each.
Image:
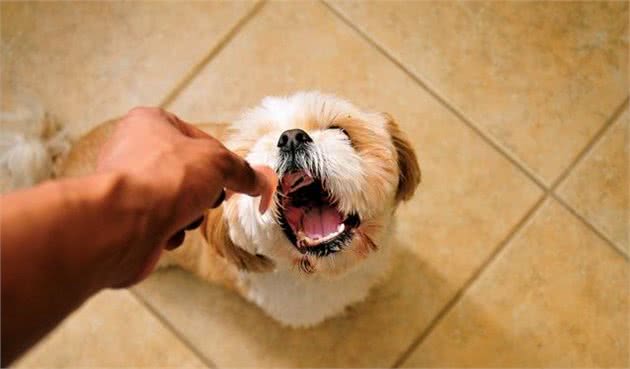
(65, 240)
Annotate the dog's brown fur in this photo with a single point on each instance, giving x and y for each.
(408, 168)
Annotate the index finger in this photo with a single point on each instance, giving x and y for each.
(240, 177)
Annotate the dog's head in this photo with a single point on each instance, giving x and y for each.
(342, 173)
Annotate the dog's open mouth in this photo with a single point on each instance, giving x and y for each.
(310, 217)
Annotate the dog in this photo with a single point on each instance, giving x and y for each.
(324, 242)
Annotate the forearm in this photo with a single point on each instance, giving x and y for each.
(56, 242)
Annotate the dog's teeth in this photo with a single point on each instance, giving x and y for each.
(303, 240)
(328, 237)
(311, 241)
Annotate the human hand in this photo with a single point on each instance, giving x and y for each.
(175, 172)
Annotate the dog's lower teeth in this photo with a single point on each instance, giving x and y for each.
(304, 240)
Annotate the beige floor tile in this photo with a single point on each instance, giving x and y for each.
(469, 199)
(556, 297)
(111, 330)
(598, 187)
(540, 77)
(86, 62)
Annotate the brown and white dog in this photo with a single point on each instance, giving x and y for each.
(324, 242)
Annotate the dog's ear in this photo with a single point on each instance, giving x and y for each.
(408, 168)
(216, 232)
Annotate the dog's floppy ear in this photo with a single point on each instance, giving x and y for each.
(408, 168)
(216, 232)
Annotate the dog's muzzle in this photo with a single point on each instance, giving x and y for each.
(308, 214)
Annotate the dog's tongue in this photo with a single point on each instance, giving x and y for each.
(321, 221)
(293, 181)
(315, 220)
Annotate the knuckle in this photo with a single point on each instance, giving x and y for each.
(146, 111)
(138, 110)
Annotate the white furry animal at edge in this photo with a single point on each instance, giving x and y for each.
(29, 151)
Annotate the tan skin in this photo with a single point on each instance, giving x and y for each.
(65, 240)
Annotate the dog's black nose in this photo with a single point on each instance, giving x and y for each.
(293, 139)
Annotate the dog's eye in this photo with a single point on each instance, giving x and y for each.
(341, 129)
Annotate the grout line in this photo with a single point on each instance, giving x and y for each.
(469, 282)
(194, 71)
(578, 159)
(442, 100)
(590, 226)
(591, 144)
(207, 362)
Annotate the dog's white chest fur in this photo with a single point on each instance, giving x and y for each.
(298, 300)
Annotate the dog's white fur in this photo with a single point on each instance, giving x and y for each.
(360, 182)
(301, 301)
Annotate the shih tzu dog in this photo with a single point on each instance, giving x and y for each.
(323, 244)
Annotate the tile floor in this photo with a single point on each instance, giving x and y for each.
(515, 250)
